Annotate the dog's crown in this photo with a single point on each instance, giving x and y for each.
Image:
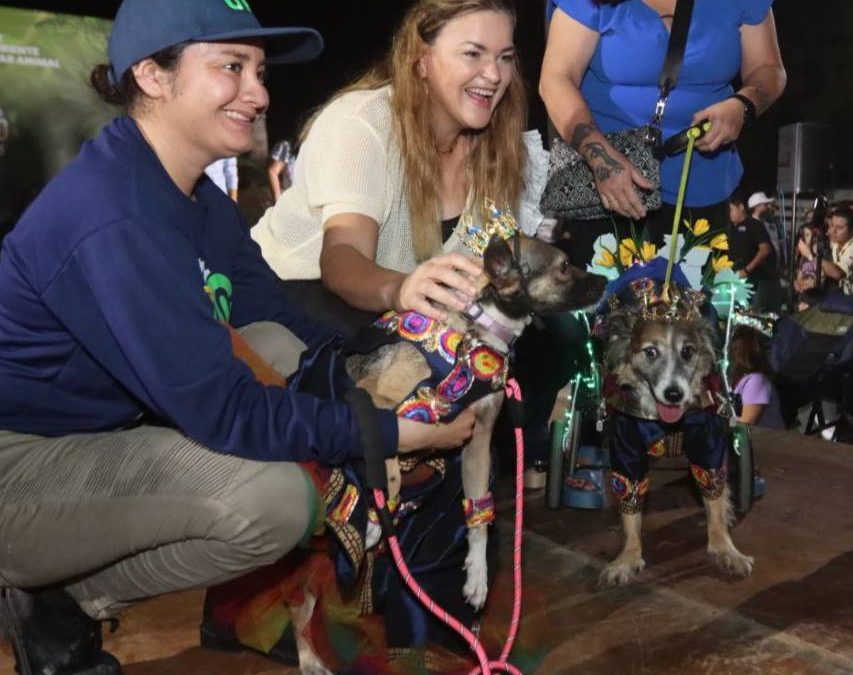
(677, 304)
(476, 235)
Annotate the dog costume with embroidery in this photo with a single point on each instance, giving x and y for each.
(662, 392)
(429, 371)
(637, 432)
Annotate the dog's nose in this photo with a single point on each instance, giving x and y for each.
(673, 394)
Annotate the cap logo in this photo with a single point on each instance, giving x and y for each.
(239, 5)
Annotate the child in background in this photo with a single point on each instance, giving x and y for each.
(807, 260)
(751, 379)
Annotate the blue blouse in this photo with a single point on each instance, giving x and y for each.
(620, 85)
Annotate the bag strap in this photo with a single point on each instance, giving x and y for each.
(674, 55)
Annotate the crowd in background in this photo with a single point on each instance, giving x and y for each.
(803, 274)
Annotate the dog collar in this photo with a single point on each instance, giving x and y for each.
(478, 314)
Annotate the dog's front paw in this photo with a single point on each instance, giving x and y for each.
(476, 581)
(732, 561)
(621, 571)
(476, 586)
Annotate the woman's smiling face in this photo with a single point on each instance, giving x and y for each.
(217, 93)
(467, 70)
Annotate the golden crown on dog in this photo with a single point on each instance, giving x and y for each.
(682, 304)
(476, 235)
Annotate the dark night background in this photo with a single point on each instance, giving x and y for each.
(816, 39)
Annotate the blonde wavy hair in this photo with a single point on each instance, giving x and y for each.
(497, 154)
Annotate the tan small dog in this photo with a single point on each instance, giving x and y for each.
(661, 362)
(520, 278)
(536, 278)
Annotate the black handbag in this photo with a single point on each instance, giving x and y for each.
(570, 190)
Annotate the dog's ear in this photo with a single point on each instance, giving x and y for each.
(500, 267)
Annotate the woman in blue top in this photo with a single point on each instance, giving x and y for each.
(138, 456)
(600, 74)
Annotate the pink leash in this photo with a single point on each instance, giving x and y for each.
(486, 667)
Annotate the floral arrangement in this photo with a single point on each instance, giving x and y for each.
(701, 252)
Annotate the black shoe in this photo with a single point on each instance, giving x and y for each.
(51, 635)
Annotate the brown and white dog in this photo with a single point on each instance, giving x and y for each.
(660, 360)
(523, 277)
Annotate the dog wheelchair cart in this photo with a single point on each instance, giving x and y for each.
(579, 457)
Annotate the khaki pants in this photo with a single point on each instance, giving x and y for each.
(118, 517)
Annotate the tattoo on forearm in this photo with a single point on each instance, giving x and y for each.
(581, 133)
(608, 166)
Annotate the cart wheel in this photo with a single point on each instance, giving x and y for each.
(741, 470)
(556, 476)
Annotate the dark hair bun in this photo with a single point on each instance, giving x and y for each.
(103, 84)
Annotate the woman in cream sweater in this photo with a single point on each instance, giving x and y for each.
(391, 162)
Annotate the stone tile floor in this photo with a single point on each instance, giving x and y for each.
(793, 615)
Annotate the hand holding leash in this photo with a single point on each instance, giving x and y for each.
(445, 280)
(727, 122)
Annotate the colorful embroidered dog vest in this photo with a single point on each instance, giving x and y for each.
(463, 368)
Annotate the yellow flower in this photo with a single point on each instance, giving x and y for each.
(701, 226)
(720, 263)
(720, 242)
(648, 251)
(627, 252)
(607, 259)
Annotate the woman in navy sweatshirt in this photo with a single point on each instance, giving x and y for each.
(138, 456)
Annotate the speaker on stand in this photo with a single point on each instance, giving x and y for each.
(802, 168)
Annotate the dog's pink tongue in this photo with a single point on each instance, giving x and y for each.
(669, 413)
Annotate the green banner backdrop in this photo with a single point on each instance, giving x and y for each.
(47, 107)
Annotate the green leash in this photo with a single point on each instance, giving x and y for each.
(693, 133)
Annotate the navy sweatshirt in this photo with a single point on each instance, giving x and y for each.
(113, 286)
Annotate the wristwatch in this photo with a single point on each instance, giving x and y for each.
(748, 109)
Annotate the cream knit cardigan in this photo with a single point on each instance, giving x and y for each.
(350, 163)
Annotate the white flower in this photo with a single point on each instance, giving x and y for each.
(605, 244)
(610, 273)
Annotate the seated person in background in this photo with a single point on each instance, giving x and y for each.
(138, 456)
(839, 264)
(223, 172)
(807, 275)
(751, 379)
(280, 169)
(753, 256)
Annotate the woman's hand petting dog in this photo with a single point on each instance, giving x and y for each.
(445, 280)
(420, 436)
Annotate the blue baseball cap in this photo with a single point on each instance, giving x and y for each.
(145, 27)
